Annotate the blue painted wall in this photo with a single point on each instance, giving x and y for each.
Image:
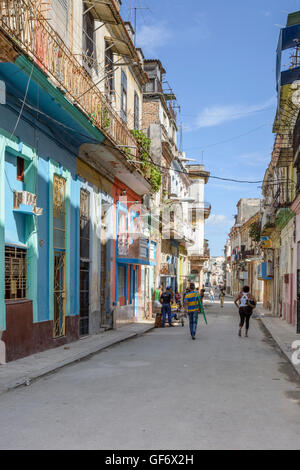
(15, 224)
(46, 149)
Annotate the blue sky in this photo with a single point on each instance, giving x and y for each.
(220, 61)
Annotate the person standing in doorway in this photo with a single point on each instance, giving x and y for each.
(165, 300)
(193, 306)
(245, 302)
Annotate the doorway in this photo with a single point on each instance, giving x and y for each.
(59, 246)
(84, 262)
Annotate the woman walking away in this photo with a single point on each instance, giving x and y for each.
(245, 302)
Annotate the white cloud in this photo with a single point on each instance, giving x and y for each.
(219, 220)
(254, 158)
(152, 37)
(219, 114)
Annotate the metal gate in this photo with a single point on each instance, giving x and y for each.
(59, 246)
(84, 262)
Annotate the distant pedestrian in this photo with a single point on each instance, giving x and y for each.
(156, 297)
(211, 295)
(165, 300)
(193, 306)
(156, 305)
(178, 299)
(202, 294)
(245, 302)
(221, 297)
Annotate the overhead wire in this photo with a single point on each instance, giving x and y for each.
(152, 161)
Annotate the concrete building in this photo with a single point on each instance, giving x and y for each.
(244, 250)
(199, 212)
(170, 205)
(65, 147)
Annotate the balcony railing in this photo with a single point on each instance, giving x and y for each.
(25, 24)
(136, 246)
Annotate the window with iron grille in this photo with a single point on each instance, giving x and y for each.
(15, 273)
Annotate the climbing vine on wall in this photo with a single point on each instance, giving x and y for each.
(254, 231)
(149, 169)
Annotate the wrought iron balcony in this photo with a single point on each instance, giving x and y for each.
(23, 21)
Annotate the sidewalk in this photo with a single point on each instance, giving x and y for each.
(25, 370)
(283, 333)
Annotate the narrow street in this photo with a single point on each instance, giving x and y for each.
(164, 391)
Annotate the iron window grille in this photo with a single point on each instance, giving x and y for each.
(16, 273)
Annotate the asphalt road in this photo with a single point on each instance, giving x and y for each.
(164, 391)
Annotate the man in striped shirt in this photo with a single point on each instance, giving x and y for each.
(193, 306)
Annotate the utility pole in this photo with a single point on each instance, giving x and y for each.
(135, 10)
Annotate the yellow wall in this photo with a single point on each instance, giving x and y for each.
(93, 177)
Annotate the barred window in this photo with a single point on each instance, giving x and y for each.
(15, 273)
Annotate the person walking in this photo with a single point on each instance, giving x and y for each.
(178, 298)
(245, 302)
(193, 306)
(211, 295)
(165, 300)
(156, 305)
(221, 297)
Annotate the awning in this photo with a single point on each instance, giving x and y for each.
(102, 11)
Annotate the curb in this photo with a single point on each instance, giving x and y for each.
(43, 372)
(286, 352)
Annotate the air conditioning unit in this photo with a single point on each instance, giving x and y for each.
(24, 197)
(27, 200)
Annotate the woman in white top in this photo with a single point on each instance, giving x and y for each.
(245, 302)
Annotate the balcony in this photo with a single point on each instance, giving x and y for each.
(178, 229)
(135, 247)
(246, 254)
(167, 269)
(207, 210)
(24, 23)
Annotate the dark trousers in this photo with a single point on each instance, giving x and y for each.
(245, 314)
(193, 317)
(166, 310)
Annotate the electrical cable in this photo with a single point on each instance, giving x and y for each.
(231, 139)
(232, 115)
(24, 100)
(154, 163)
